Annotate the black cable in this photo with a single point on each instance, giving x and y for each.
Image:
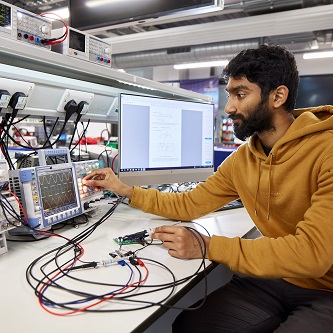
(70, 109)
(107, 158)
(80, 237)
(58, 138)
(70, 243)
(101, 220)
(9, 210)
(125, 297)
(48, 143)
(21, 159)
(6, 124)
(128, 298)
(18, 143)
(29, 147)
(72, 138)
(4, 145)
(44, 41)
(20, 120)
(81, 109)
(80, 138)
(197, 235)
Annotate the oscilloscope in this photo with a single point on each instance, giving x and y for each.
(49, 194)
(88, 194)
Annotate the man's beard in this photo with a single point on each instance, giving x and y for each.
(258, 120)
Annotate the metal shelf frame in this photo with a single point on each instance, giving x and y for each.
(53, 73)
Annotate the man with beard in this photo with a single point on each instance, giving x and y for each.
(283, 281)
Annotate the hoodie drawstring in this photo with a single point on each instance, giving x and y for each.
(269, 187)
(257, 191)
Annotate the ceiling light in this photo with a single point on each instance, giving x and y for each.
(318, 55)
(97, 3)
(202, 64)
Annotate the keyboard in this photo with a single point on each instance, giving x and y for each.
(231, 205)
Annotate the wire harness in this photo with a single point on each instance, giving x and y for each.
(56, 272)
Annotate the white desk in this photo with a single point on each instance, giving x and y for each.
(19, 308)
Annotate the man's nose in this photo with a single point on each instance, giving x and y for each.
(230, 107)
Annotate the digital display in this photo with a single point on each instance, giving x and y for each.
(175, 142)
(77, 41)
(5, 16)
(57, 190)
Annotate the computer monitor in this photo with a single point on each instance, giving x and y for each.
(164, 141)
(314, 90)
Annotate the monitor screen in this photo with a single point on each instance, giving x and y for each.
(315, 90)
(164, 141)
(91, 14)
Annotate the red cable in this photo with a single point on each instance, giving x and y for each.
(112, 162)
(102, 300)
(65, 24)
(22, 137)
(44, 285)
(21, 207)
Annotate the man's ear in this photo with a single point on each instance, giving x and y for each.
(280, 96)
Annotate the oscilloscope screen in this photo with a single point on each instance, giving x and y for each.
(57, 189)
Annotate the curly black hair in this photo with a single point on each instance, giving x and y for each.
(268, 67)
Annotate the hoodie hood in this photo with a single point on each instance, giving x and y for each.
(308, 122)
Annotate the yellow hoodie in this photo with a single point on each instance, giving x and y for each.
(288, 195)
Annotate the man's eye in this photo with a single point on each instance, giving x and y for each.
(241, 95)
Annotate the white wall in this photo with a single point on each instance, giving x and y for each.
(314, 66)
(165, 73)
(305, 67)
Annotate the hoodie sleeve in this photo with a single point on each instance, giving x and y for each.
(306, 253)
(208, 196)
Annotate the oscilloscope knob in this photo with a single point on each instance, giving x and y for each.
(107, 50)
